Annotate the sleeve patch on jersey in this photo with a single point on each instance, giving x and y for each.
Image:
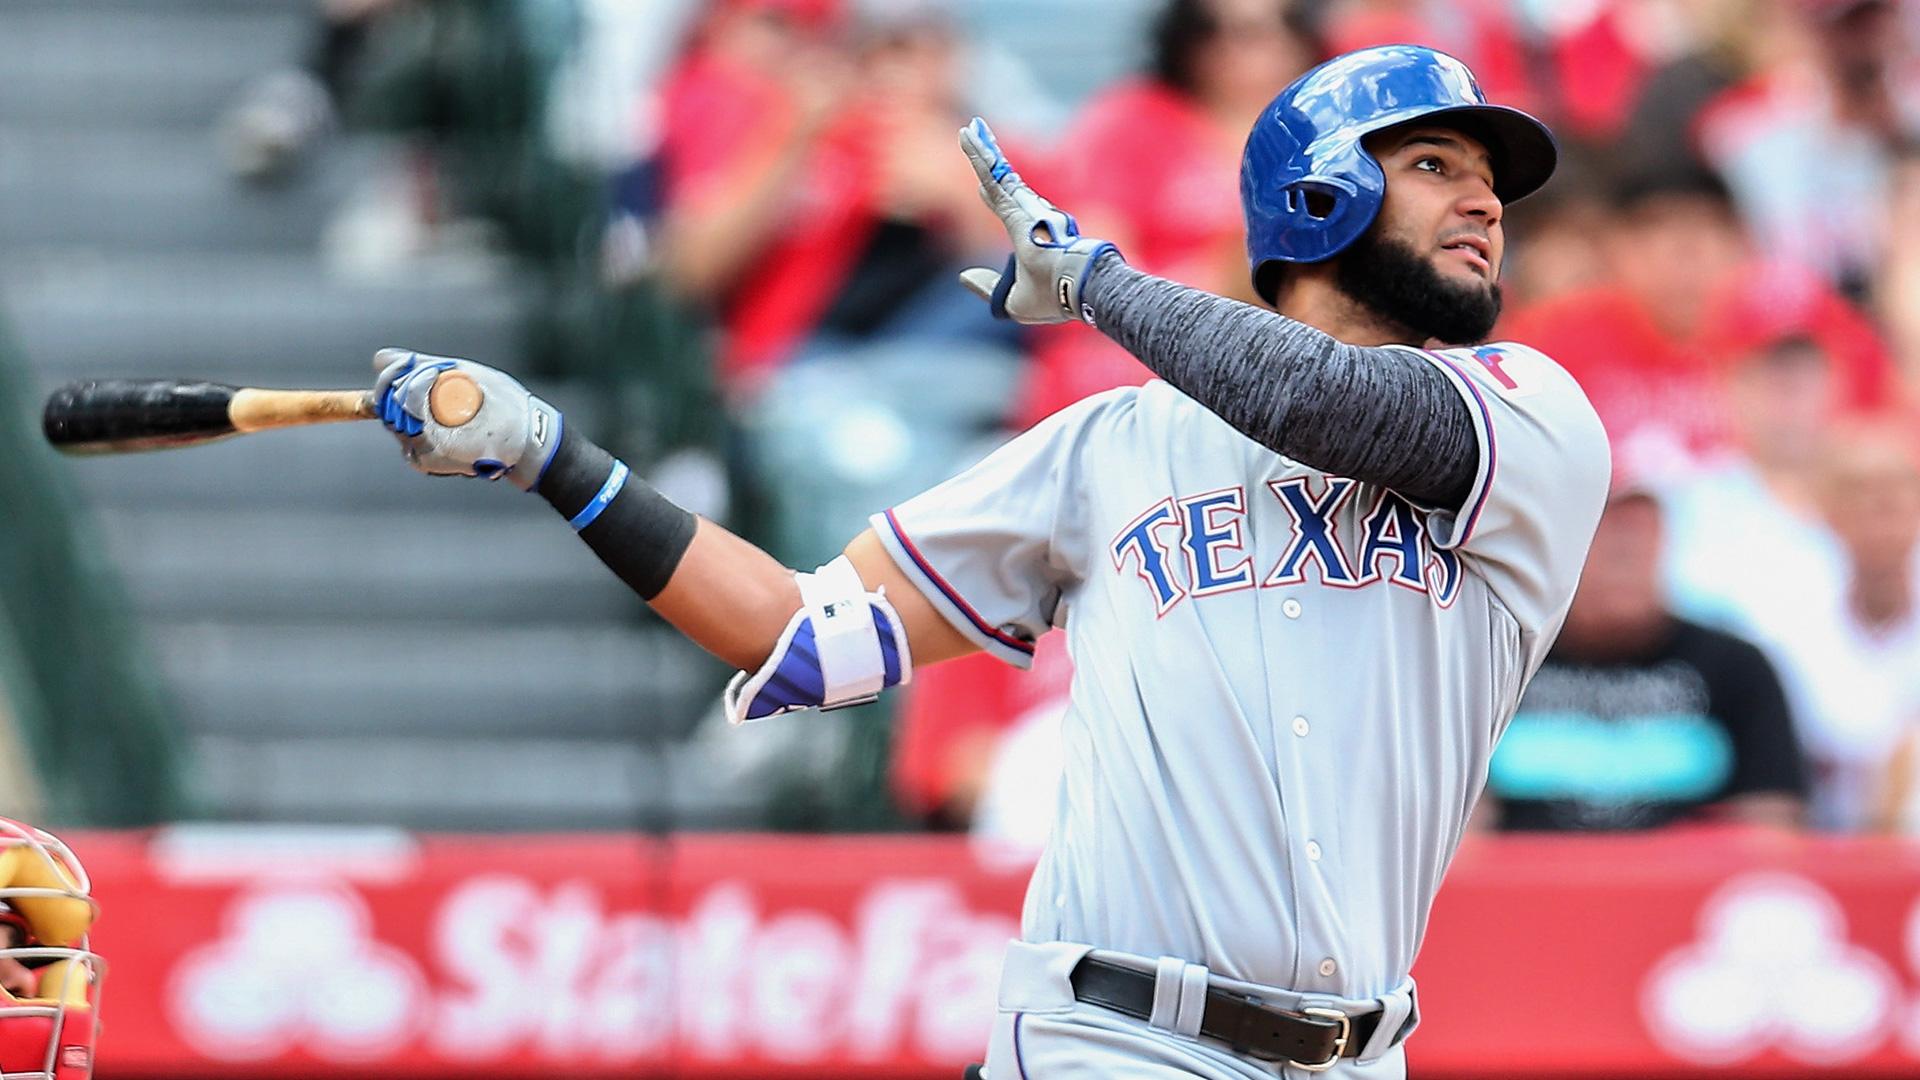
(1512, 372)
(951, 594)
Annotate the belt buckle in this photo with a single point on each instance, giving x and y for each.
(1339, 1041)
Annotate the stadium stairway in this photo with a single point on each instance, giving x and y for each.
(345, 640)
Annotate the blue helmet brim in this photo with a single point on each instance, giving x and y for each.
(1523, 150)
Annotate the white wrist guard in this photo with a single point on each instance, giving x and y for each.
(841, 648)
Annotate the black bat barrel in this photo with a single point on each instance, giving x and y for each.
(116, 415)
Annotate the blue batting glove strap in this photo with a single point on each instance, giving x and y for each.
(1091, 264)
(384, 405)
(997, 303)
(514, 435)
(552, 444)
(1051, 260)
(393, 411)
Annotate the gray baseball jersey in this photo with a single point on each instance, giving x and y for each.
(1287, 684)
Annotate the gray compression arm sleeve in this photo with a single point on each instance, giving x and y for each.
(1379, 415)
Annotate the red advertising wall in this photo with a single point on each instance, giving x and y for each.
(324, 954)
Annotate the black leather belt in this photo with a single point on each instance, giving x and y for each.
(1313, 1039)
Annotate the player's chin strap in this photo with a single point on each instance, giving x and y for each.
(841, 648)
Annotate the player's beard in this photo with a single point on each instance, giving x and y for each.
(1397, 283)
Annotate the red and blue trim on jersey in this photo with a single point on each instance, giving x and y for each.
(1490, 466)
(1019, 1058)
(978, 622)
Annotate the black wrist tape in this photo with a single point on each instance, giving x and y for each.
(640, 534)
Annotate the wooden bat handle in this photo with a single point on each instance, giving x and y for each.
(454, 400)
(263, 410)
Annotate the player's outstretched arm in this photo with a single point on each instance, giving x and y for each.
(725, 594)
(1381, 415)
(735, 600)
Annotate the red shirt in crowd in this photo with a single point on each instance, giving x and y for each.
(1660, 393)
(722, 123)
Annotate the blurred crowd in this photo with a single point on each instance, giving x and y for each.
(1728, 261)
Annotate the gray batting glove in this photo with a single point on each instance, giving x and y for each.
(1051, 260)
(513, 435)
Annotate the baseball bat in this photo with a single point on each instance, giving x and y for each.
(116, 416)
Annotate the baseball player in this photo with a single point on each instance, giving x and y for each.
(1304, 580)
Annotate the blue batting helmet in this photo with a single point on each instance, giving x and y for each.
(1308, 186)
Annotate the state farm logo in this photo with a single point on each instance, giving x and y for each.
(552, 969)
(556, 972)
(296, 967)
(912, 970)
(1773, 970)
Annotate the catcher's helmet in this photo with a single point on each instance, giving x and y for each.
(1309, 189)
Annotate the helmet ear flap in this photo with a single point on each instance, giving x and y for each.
(1325, 213)
(1310, 209)
(1312, 201)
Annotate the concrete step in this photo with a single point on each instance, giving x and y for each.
(518, 563)
(120, 189)
(429, 783)
(454, 679)
(253, 319)
(77, 63)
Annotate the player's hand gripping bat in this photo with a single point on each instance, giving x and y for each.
(114, 416)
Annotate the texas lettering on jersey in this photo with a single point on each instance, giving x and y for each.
(1198, 545)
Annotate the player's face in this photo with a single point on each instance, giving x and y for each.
(1429, 263)
(1440, 201)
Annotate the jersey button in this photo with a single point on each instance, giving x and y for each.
(1327, 967)
(1291, 607)
(1300, 726)
(1313, 851)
